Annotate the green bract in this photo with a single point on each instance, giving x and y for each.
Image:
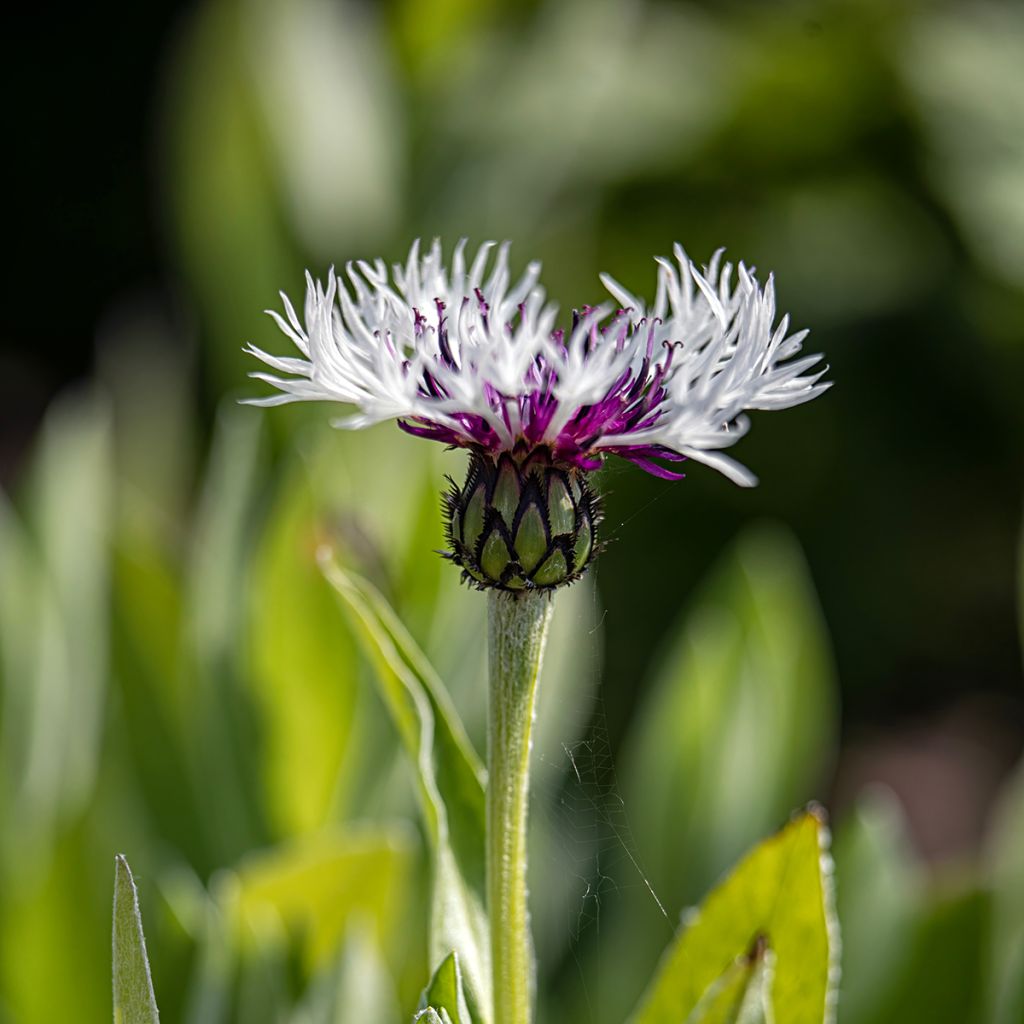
(521, 521)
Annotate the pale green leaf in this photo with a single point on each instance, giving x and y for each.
(222, 534)
(357, 989)
(216, 964)
(445, 992)
(736, 729)
(949, 964)
(1006, 857)
(134, 1001)
(213, 714)
(314, 886)
(780, 896)
(339, 175)
(54, 617)
(878, 888)
(431, 1016)
(449, 776)
(261, 987)
(739, 720)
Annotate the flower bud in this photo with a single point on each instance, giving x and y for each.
(521, 521)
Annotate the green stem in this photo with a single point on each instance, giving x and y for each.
(518, 625)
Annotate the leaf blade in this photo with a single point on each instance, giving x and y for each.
(779, 893)
(449, 776)
(445, 993)
(134, 999)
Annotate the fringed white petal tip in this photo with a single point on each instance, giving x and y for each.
(468, 356)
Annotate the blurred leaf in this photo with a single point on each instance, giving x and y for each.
(215, 717)
(429, 32)
(51, 895)
(943, 981)
(134, 1001)
(779, 896)
(53, 618)
(734, 730)
(224, 191)
(222, 535)
(339, 175)
(739, 722)
(209, 990)
(147, 368)
(656, 72)
(1005, 856)
(879, 892)
(445, 994)
(30, 630)
(356, 989)
(887, 249)
(304, 667)
(955, 60)
(449, 777)
(262, 987)
(315, 886)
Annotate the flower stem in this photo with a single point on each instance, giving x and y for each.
(518, 625)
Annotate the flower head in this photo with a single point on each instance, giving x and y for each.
(465, 356)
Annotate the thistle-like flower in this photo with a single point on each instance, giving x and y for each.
(469, 358)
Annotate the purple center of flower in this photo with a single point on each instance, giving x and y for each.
(634, 402)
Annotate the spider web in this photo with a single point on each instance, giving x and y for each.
(594, 851)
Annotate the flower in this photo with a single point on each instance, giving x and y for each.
(467, 357)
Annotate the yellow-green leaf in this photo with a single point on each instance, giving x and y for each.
(780, 896)
(316, 885)
(304, 669)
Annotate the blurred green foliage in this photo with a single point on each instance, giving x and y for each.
(243, 756)
(178, 680)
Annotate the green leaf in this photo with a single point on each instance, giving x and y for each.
(53, 617)
(736, 729)
(449, 776)
(445, 992)
(44, 976)
(134, 1001)
(1006, 859)
(739, 722)
(879, 890)
(740, 995)
(214, 712)
(780, 896)
(316, 885)
(355, 990)
(944, 982)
